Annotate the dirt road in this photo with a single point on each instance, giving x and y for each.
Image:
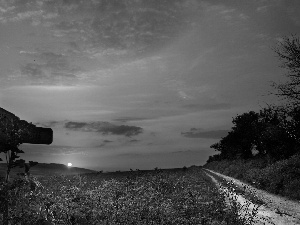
(275, 209)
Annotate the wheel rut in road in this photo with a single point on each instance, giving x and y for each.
(273, 210)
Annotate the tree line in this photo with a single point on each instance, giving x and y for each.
(274, 131)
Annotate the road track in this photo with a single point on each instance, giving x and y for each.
(274, 210)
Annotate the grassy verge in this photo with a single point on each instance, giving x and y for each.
(281, 177)
(156, 197)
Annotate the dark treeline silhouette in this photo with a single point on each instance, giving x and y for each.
(263, 148)
(274, 131)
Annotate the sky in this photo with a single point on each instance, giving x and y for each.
(138, 84)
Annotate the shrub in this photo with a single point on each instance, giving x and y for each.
(279, 175)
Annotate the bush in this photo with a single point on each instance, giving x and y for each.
(278, 177)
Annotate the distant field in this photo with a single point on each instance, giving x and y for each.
(45, 169)
(179, 196)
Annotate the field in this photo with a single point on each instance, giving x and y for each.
(182, 196)
(44, 169)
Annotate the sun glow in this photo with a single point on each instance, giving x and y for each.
(69, 164)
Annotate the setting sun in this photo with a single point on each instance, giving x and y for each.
(69, 164)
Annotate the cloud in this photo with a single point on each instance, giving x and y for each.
(184, 152)
(33, 70)
(75, 125)
(48, 124)
(130, 155)
(208, 106)
(49, 67)
(117, 28)
(16, 11)
(128, 119)
(262, 8)
(104, 128)
(138, 25)
(116, 144)
(198, 133)
(64, 28)
(50, 15)
(109, 52)
(6, 9)
(27, 15)
(243, 16)
(104, 143)
(28, 52)
(114, 25)
(183, 95)
(67, 150)
(55, 61)
(47, 150)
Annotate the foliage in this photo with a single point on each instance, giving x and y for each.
(212, 158)
(12, 133)
(278, 138)
(277, 178)
(288, 52)
(242, 137)
(157, 197)
(274, 131)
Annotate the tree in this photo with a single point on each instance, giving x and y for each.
(11, 132)
(242, 137)
(292, 124)
(280, 135)
(274, 131)
(229, 146)
(213, 158)
(14, 132)
(288, 51)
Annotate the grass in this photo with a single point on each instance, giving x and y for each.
(155, 197)
(281, 177)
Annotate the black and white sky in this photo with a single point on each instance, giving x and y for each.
(138, 83)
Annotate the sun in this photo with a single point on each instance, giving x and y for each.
(69, 164)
